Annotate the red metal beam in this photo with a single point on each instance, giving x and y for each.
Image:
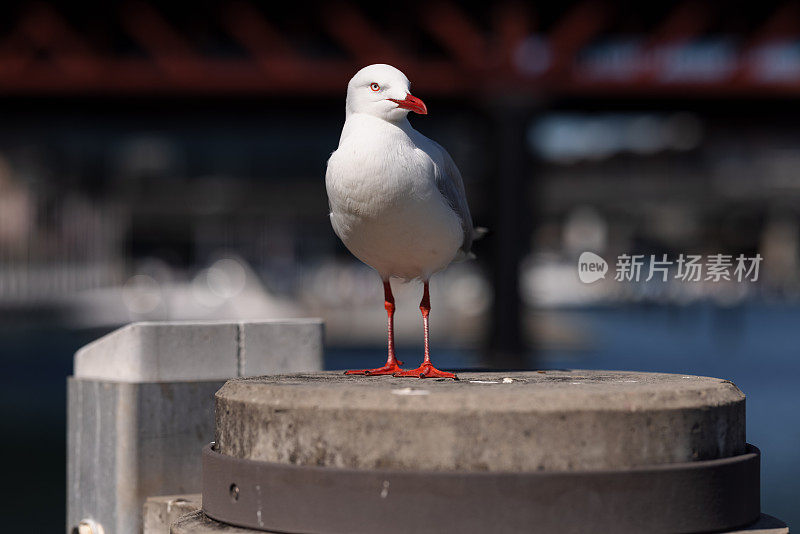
(43, 54)
(365, 42)
(574, 31)
(248, 25)
(686, 21)
(784, 23)
(171, 52)
(268, 47)
(451, 27)
(512, 24)
(42, 30)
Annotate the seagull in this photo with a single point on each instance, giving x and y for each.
(396, 198)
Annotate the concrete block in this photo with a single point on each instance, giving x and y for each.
(160, 512)
(281, 347)
(530, 421)
(126, 442)
(142, 352)
(140, 407)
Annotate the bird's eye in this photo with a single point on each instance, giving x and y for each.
(374, 86)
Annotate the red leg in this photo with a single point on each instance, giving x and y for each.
(426, 370)
(392, 363)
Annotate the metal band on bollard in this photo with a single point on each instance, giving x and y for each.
(688, 497)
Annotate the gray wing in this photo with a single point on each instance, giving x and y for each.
(451, 186)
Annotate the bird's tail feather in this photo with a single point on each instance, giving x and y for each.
(463, 256)
(478, 232)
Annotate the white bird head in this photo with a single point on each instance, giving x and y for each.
(382, 91)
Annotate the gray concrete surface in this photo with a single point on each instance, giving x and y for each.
(199, 523)
(160, 512)
(554, 420)
(126, 442)
(140, 407)
(142, 352)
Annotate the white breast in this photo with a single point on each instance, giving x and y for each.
(384, 203)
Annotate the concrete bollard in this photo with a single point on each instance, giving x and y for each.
(140, 407)
(554, 451)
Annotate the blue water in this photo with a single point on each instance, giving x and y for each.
(755, 346)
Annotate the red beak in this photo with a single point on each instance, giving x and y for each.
(411, 103)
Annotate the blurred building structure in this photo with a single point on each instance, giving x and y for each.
(143, 143)
(588, 47)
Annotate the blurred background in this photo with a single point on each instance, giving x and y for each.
(166, 162)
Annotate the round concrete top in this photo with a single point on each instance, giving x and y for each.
(539, 420)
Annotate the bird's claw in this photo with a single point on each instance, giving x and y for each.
(389, 369)
(425, 370)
